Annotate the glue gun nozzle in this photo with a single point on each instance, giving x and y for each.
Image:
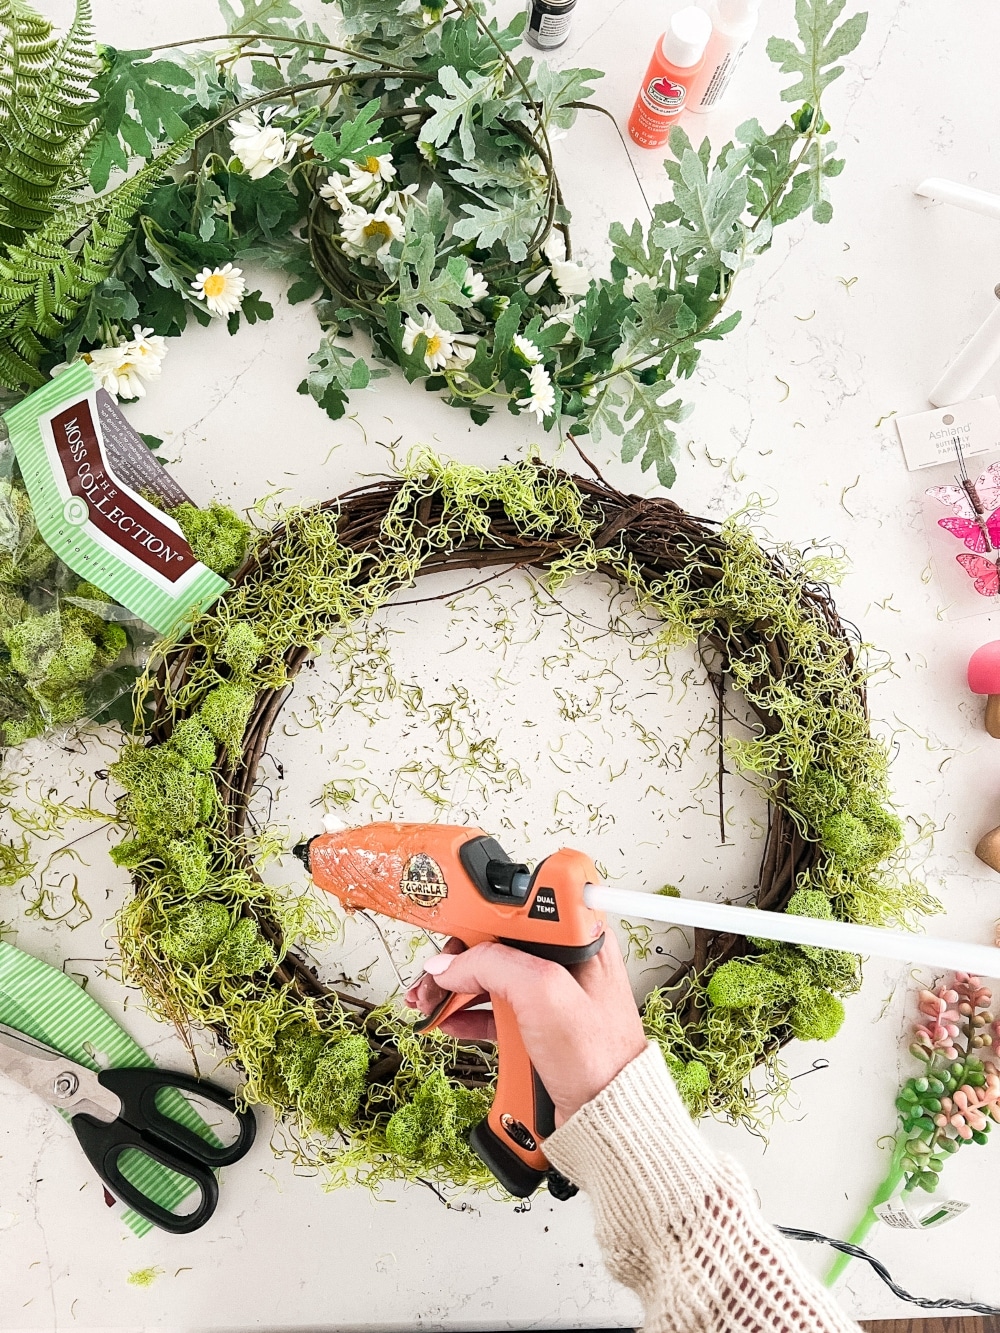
(301, 850)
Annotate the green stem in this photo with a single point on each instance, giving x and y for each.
(885, 1191)
(273, 39)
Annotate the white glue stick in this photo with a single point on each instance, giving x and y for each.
(974, 360)
(962, 196)
(925, 950)
(733, 24)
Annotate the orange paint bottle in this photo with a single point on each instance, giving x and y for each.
(678, 57)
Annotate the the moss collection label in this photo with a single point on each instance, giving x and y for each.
(92, 519)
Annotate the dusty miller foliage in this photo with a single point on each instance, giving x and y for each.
(467, 119)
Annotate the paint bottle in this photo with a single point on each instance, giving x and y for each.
(676, 60)
(733, 24)
(548, 22)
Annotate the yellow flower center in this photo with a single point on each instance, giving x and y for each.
(214, 284)
(433, 345)
(377, 228)
(371, 164)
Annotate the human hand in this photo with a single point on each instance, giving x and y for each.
(580, 1025)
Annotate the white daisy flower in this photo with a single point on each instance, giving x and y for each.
(554, 246)
(147, 349)
(564, 314)
(526, 350)
(368, 176)
(335, 194)
(439, 346)
(542, 398)
(631, 281)
(222, 289)
(400, 200)
(474, 286)
(463, 350)
(537, 282)
(367, 235)
(259, 145)
(114, 370)
(571, 278)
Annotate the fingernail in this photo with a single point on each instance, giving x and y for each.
(439, 963)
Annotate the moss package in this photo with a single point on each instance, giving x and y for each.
(211, 944)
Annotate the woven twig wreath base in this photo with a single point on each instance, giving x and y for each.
(661, 539)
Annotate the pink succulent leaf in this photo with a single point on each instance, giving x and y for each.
(972, 990)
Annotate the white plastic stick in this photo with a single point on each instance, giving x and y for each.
(971, 364)
(962, 196)
(927, 950)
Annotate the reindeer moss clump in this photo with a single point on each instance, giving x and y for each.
(58, 636)
(218, 537)
(371, 1100)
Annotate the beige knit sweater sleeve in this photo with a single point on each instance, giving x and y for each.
(678, 1224)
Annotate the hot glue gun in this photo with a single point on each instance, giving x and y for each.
(456, 880)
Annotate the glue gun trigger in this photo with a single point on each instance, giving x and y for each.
(451, 1004)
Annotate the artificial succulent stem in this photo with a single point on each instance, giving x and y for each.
(885, 1191)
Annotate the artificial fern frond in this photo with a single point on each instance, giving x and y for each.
(46, 116)
(45, 279)
(27, 49)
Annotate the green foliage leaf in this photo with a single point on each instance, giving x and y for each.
(465, 100)
(635, 250)
(376, 23)
(821, 45)
(276, 17)
(254, 307)
(110, 302)
(334, 372)
(711, 201)
(514, 225)
(649, 435)
(557, 88)
(439, 293)
(353, 138)
(143, 103)
(658, 319)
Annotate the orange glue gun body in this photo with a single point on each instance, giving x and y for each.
(455, 880)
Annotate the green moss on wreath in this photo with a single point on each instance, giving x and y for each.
(324, 1067)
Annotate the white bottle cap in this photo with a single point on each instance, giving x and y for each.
(737, 11)
(685, 40)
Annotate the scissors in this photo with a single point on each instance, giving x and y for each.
(115, 1111)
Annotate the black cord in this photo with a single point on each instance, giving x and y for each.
(856, 1252)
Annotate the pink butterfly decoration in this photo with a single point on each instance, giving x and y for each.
(967, 530)
(983, 574)
(987, 487)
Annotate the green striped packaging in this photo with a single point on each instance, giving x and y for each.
(45, 1004)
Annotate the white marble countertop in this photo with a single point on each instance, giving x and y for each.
(843, 325)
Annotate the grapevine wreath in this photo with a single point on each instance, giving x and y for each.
(212, 944)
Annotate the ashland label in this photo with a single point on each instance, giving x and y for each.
(73, 448)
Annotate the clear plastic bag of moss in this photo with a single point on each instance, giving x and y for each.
(69, 653)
